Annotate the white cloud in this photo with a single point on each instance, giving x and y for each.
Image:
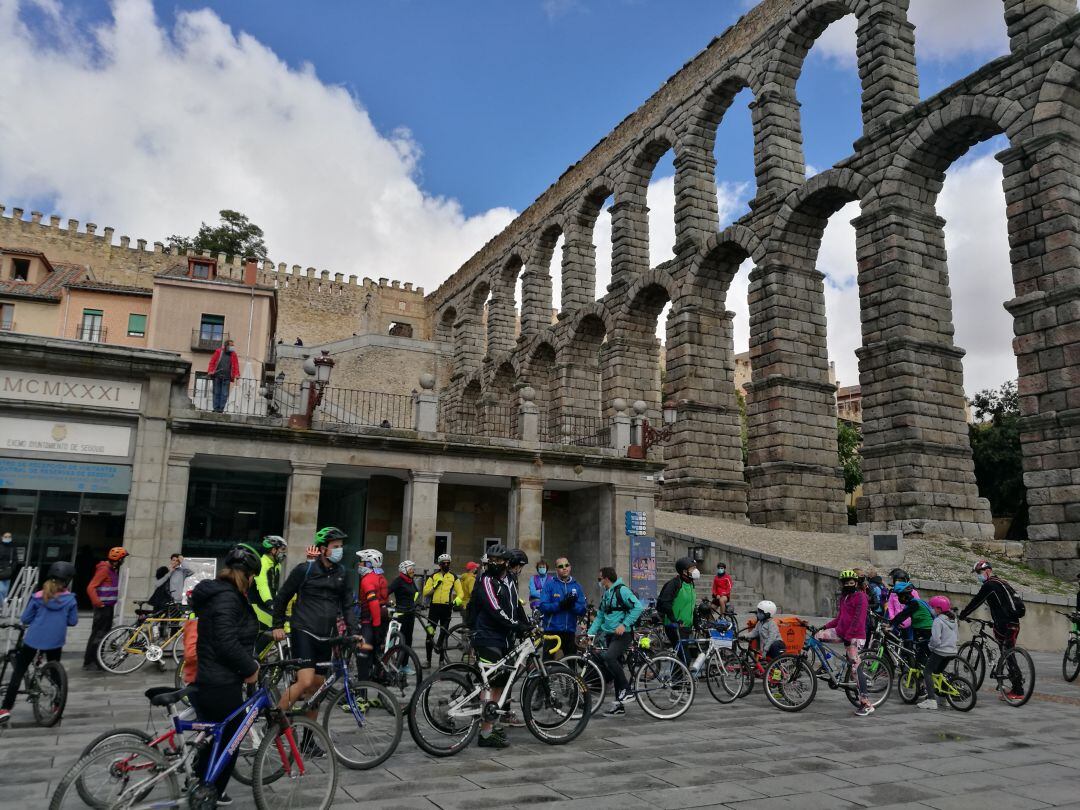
(152, 129)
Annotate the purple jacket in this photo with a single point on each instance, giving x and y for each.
(850, 621)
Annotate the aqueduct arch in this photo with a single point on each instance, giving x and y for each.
(918, 464)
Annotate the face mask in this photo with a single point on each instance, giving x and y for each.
(719, 572)
(847, 588)
(541, 570)
(7, 539)
(760, 615)
(981, 577)
(336, 554)
(600, 583)
(695, 574)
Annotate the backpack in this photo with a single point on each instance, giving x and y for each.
(1019, 609)
(618, 602)
(877, 596)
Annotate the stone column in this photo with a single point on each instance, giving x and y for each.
(526, 516)
(696, 214)
(1027, 20)
(500, 325)
(535, 299)
(174, 507)
(302, 515)
(778, 139)
(419, 518)
(528, 416)
(794, 470)
(629, 242)
(426, 403)
(917, 470)
(886, 53)
(620, 426)
(578, 269)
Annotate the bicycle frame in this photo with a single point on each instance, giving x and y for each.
(147, 626)
(941, 684)
(817, 652)
(520, 655)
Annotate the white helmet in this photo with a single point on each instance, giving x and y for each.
(370, 557)
(767, 607)
(443, 558)
(405, 565)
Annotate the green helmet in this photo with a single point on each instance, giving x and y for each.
(272, 541)
(324, 536)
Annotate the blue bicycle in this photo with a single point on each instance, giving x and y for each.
(291, 765)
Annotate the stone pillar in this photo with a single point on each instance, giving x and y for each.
(778, 140)
(426, 406)
(620, 426)
(535, 299)
(917, 470)
(500, 325)
(704, 454)
(794, 470)
(637, 422)
(526, 516)
(578, 269)
(174, 507)
(696, 214)
(419, 518)
(886, 53)
(1044, 206)
(1027, 20)
(528, 416)
(302, 515)
(629, 242)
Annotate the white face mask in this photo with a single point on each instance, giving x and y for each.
(694, 574)
(6, 538)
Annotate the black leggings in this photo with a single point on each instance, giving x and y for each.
(438, 615)
(102, 624)
(616, 646)
(22, 663)
(213, 703)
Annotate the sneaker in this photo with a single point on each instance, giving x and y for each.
(1011, 695)
(512, 720)
(224, 800)
(617, 708)
(408, 670)
(927, 704)
(5, 716)
(493, 740)
(91, 667)
(623, 696)
(862, 711)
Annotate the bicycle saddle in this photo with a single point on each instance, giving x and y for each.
(167, 695)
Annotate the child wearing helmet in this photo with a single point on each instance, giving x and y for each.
(765, 631)
(943, 640)
(406, 597)
(48, 615)
(916, 614)
(893, 606)
(849, 628)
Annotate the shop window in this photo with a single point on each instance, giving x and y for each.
(7, 317)
(399, 329)
(136, 325)
(20, 269)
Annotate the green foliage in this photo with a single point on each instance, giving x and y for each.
(995, 449)
(236, 235)
(848, 441)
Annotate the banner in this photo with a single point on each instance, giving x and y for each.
(643, 566)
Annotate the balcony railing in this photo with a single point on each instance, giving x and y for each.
(586, 431)
(8, 326)
(91, 333)
(374, 408)
(206, 342)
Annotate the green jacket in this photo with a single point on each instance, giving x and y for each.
(617, 606)
(264, 588)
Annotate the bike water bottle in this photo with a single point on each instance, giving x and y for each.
(696, 666)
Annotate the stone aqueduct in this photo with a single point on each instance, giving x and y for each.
(916, 456)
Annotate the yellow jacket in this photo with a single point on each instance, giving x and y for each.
(468, 580)
(444, 589)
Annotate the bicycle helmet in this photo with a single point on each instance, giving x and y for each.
(244, 558)
(517, 557)
(324, 536)
(849, 573)
(61, 570)
(442, 558)
(497, 553)
(981, 565)
(942, 603)
(117, 553)
(683, 564)
(272, 541)
(405, 565)
(370, 557)
(766, 607)
(899, 575)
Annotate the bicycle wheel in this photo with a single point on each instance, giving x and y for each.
(879, 681)
(1019, 657)
(444, 714)
(958, 692)
(117, 776)
(457, 645)
(1070, 662)
(971, 654)
(723, 681)
(664, 687)
(300, 751)
(366, 729)
(789, 683)
(909, 685)
(556, 707)
(123, 650)
(177, 645)
(591, 675)
(51, 695)
(395, 666)
(115, 737)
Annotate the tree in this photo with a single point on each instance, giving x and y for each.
(995, 450)
(235, 236)
(848, 441)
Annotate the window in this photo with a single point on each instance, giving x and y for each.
(400, 329)
(20, 269)
(212, 329)
(91, 328)
(136, 325)
(201, 268)
(7, 317)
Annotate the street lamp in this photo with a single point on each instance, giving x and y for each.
(651, 436)
(319, 368)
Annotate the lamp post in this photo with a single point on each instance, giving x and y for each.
(319, 369)
(650, 436)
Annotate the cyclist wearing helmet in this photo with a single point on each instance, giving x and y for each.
(227, 631)
(374, 594)
(322, 592)
(943, 638)
(677, 600)
(770, 645)
(893, 606)
(1006, 610)
(443, 590)
(406, 596)
(47, 616)
(265, 585)
(103, 590)
(849, 628)
(918, 615)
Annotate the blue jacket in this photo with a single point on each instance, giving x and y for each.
(558, 619)
(537, 583)
(610, 614)
(48, 623)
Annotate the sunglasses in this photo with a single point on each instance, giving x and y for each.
(563, 566)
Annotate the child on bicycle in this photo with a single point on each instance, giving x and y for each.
(849, 629)
(48, 615)
(770, 645)
(916, 612)
(943, 638)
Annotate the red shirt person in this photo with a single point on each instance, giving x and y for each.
(224, 369)
(721, 587)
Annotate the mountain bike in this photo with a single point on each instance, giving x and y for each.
(45, 683)
(446, 712)
(791, 680)
(985, 654)
(269, 654)
(289, 768)
(126, 648)
(901, 655)
(958, 691)
(1070, 661)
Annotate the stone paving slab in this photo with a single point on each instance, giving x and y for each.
(746, 755)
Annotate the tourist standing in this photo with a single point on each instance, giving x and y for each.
(103, 590)
(175, 575)
(444, 591)
(562, 602)
(536, 584)
(224, 369)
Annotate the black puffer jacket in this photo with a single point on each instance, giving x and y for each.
(322, 594)
(227, 630)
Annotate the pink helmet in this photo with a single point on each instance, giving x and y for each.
(942, 603)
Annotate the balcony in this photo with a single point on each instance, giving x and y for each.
(91, 333)
(207, 342)
(8, 326)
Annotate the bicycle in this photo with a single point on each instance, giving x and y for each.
(45, 683)
(980, 653)
(446, 712)
(1070, 661)
(132, 775)
(791, 683)
(901, 655)
(957, 690)
(397, 667)
(271, 652)
(125, 649)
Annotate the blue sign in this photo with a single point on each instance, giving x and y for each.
(636, 524)
(643, 567)
(65, 476)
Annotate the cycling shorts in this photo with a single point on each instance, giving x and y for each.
(489, 655)
(304, 646)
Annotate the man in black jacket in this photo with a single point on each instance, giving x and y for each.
(1001, 599)
(406, 598)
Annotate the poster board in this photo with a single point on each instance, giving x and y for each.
(203, 568)
(643, 566)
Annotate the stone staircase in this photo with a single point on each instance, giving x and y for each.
(743, 599)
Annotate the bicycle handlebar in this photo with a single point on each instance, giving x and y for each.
(557, 640)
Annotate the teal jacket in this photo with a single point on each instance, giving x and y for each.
(617, 606)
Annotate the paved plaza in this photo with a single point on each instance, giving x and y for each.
(747, 755)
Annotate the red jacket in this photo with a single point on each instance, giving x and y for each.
(721, 585)
(216, 357)
(374, 593)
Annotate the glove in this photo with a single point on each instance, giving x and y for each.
(567, 601)
(457, 602)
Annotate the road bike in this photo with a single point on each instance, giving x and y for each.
(155, 633)
(986, 655)
(791, 680)
(290, 768)
(958, 691)
(45, 683)
(446, 712)
(1070, 661)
